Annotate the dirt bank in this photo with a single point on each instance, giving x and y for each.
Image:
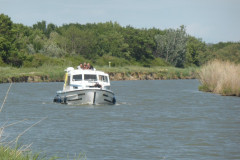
(146, 76)
(114, 76)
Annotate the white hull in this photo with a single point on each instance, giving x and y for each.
(86, 96)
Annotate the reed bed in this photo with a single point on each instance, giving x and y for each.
(6, 153)
(221, 77)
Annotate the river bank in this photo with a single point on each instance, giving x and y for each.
(56, 73)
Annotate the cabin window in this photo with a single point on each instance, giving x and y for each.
(90, 77)
(77, 77)
(103, 78)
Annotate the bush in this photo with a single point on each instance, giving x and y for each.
(153, 63)
(2, 63)
(159, 62)
(220, 77)
(75, 60)
(39, 60)
(115, 61)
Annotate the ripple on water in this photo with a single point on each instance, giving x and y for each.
(167, 119)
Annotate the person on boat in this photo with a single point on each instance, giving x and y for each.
(84, 65)
(89, 66)
(98, 85)
(80, 66)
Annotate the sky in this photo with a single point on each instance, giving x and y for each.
(211, 20)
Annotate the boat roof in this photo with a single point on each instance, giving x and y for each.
(71, 70)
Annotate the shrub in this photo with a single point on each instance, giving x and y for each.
(222, 77)
(2, 63)
(115, 61)
(159, 62)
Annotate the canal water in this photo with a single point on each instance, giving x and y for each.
(166, 119)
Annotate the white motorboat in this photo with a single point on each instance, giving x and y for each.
(85, 86)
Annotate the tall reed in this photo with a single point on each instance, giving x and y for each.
(221, 77)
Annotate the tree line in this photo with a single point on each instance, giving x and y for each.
(98, 43)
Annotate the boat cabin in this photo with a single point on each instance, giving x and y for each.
(84, 79)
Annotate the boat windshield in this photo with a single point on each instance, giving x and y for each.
(77, 77)
(103, 78)
(90, 77)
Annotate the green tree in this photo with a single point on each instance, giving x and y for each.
(51, 48)
(50, 28)
(21, 34)
(109, 40)
(72, 34)
(37, 40)
(5, 47)
(141, 45)
(42, 26)
(171, 46)
(6, 38)
(76, 41)
(230, 52)
(6, 27)
(195, 48)
(112, 43)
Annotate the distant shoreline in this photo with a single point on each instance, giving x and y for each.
(113, 77)
(51, 74)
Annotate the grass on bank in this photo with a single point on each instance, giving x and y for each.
(220, 77)
(12, 151)
(7, 153)
(50, 73)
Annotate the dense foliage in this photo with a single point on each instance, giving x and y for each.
(172, 46)
(42, 43)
